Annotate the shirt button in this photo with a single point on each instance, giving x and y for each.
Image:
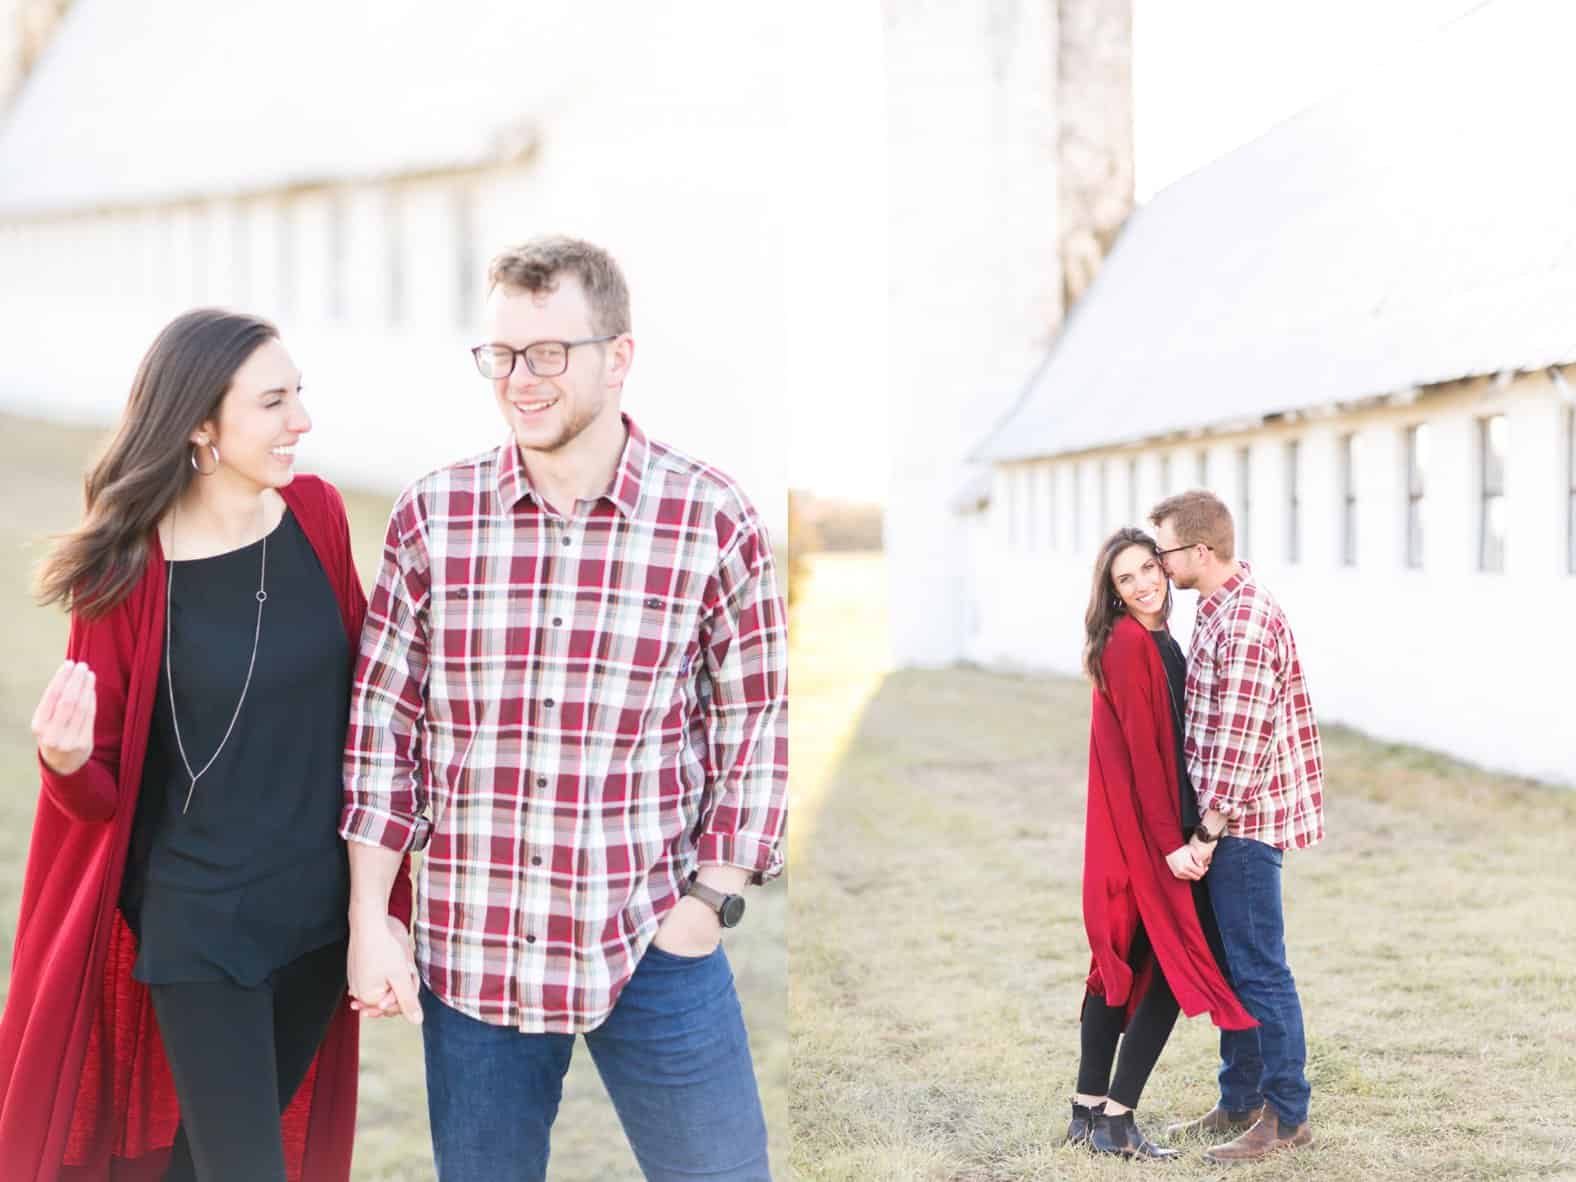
(568, 541)
(558, 621)
(549, 703)
(541, 781)
(536, 860)
(530, 939)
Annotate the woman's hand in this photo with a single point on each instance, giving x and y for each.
(63, 722)
(1184, 864)
(1203, 851)
(382, 972)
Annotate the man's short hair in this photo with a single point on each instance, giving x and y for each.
(537, 265)
(1199, 516)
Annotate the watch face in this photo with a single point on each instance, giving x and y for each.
(731, 911)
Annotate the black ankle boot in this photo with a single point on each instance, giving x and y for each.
(1119, 1135)
(1083, 1121)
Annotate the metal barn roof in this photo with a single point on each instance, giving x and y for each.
(1418, 228)
(165, 100)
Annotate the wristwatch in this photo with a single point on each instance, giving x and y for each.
(1201, 831)
(729, 908)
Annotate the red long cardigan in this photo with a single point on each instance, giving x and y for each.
(1134, 820)
(85, 1089)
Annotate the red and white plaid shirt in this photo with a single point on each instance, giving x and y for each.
(570, 714)
(1252, 743)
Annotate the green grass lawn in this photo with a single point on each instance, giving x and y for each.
(43, 496)
(938, 948)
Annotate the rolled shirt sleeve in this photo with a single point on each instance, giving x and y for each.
(385, 803)
(745, 650)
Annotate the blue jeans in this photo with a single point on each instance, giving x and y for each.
(1264, 1065)
(673, 1056)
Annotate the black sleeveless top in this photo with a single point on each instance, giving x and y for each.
(253, 875)
(1176, 680)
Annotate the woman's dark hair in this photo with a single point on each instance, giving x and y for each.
(1105, 606)
(182, 379)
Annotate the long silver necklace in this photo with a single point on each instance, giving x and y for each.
(169, 664)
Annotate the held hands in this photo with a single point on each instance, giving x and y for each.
(63, 722)
(1203, 851)
(1185, 862)
(382, 971)
(690, 929)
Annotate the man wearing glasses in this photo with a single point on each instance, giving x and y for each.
(1253, 754)
(572, 696)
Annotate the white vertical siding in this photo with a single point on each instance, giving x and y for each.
(1422, 656)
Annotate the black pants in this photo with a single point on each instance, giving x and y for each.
(1146, 1037)
(238, 1055)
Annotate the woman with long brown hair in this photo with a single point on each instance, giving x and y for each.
(1143, 862)
(177, 1005)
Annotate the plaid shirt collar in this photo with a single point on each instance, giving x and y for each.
(514, 483)
(1224, 593)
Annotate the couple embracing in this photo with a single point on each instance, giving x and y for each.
(567, 690)
(1203, 771)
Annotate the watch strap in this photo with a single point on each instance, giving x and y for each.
(710, 896)
(729, 908)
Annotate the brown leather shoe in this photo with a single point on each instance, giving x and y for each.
(1216, 1122)
(1264, 1138)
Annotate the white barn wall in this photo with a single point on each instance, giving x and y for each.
(974, 277)
(635, 167)
(366, 268)
(1446, 657)
(312, 258)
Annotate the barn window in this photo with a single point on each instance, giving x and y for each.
(1078, 501)
(394, 236)
(1416, 493)
(1293, 500)
(240, 275)
(337, 230)
(1348, 501)
(1026, 498)
(1009, 486)
(1052, 474)
(1493, 435)
(1570, 479)
(202, 264)
(285, 257)
(466, 273)
(1245, 498)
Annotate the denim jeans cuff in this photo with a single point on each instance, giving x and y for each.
(1237, 1104)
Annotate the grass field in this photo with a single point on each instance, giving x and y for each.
(938, 950)
(43, 466)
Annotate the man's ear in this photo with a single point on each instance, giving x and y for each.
(620, 357)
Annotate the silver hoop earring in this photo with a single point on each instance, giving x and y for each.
(211, 447)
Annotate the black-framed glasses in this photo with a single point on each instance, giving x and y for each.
(1185, 546)
(546, 359)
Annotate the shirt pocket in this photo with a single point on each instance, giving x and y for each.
(658, 636)
(478, 639)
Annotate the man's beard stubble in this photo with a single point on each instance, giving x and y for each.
(572, 429)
